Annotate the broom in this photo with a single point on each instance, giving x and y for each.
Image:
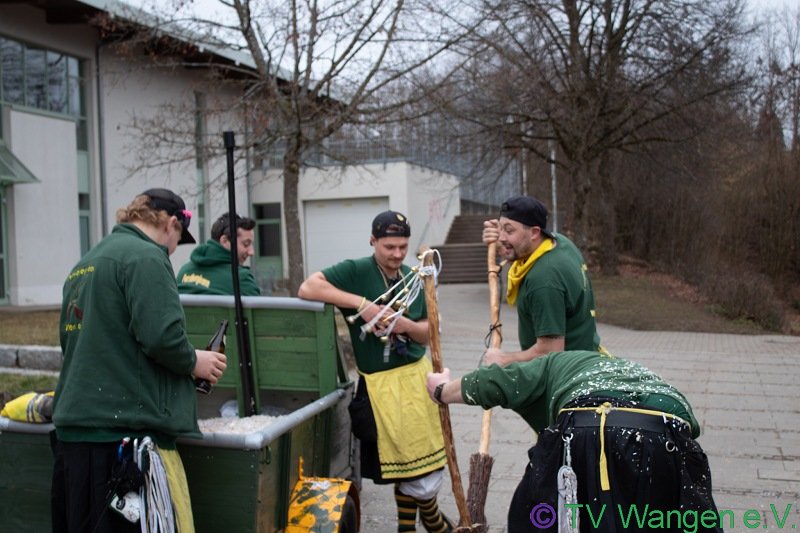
(480, 464)
(464, 522)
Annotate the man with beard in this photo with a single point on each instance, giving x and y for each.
(548, 281)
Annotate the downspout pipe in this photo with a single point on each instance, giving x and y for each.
(101, 145)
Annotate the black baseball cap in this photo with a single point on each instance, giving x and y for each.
(390, 224)
(526, 210)
(166, 200)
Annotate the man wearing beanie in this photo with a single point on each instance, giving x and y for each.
(548, 281)
(398, 426)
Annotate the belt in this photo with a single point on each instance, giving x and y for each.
(624, 418)
(628, 417)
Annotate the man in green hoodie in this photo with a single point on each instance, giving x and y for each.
(209, 271)
(626, 435)
(128, 365)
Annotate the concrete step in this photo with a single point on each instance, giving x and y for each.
(463, 263)
(466, 229)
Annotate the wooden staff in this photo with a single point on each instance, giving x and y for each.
(480, 464)
(464, 522)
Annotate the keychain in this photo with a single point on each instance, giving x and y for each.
(568, 518)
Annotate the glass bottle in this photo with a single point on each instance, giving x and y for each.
(216, 344)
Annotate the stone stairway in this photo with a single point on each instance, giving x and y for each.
(463, 253)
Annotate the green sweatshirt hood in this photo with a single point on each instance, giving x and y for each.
(210, 253)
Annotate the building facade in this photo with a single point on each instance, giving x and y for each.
(75, 110)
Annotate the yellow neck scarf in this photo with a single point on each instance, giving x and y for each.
(519, 268)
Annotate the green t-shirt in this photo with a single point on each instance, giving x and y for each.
(556, 298)
(539, 388)
(364, 277)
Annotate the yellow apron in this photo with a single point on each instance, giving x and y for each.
(410, 441)
(178, 490)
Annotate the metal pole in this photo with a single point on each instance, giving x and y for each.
(553, 183)
(242, 337)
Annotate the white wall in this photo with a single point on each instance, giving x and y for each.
(135, 94)
(41, 253)
(419, 193)
(44, 237)
(28, 24)
(436, 203)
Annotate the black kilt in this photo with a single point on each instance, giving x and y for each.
(650, 472)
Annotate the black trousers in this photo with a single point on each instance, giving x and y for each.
(651, 473)
(80, 491)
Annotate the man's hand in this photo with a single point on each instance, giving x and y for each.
(494, 356)
(371, 311)
(491, 231)
(434, 378)
(210, 365)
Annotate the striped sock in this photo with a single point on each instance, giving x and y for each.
(433, 519)
(406, 511)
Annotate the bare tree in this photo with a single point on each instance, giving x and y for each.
(318, 68)
(595, 77)
(773, 191)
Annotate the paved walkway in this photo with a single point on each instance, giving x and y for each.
(743, 390)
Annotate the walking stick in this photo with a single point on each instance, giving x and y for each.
(464, 522)
(480, 464)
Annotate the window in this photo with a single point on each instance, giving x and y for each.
(53, 82)
(12, 89)
(43, 79)
(200, 160)
(35, 78)
(57, 86)
(268, 260)
(268, 217)
(84, 222)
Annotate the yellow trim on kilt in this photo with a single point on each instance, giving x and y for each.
(519, 269)
(410, 441)
(178, 490)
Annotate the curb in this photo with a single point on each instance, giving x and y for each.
(30, 357)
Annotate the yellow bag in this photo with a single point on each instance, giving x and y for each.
(30, 407)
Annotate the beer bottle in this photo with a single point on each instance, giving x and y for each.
(216, 344)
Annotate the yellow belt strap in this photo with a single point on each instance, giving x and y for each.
(603, 411)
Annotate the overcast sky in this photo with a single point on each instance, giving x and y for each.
(769, 4)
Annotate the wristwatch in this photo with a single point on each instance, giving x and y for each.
(437, 393)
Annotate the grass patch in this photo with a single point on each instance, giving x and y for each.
(13, 385)
(647, 304)
(29, 327)
(17, 384)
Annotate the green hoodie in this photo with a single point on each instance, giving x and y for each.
(127, 361)
(209, 272)
(539, 388)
